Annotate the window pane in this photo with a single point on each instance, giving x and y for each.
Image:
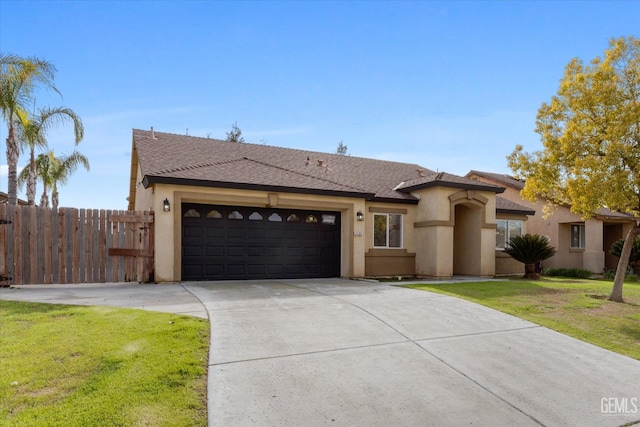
(191, 213)
(311, 218)
(235, 215)
(577, 236)
(293, 218)
(395, 231)
(274, 217)
(380, 230)
(255, 217)
(515, 228)
(501, 233)
(214, 214)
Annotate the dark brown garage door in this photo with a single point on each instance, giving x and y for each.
(223, 243)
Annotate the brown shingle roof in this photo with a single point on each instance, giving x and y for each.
(501, 178)
(181, 159)
(508, 207)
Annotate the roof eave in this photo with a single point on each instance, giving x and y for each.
(462, 186)
(515, 212)
(151, 179)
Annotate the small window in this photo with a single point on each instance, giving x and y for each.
(274, 217)
(255, 217)
(507, 229)
(293, 218)
(310, 219)
(235, 215)
(387, 230)
(214, 214)
(329, 219)
(577, 236)
(192, 213)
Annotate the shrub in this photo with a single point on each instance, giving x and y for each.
(634, 258)
(578, 273)
(529, 249)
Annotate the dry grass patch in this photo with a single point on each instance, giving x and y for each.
(578, 308)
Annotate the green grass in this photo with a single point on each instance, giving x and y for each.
(574, 307)
(96, 366)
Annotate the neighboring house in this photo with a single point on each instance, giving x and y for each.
(246, 211)
(4, 199)
(579, 243)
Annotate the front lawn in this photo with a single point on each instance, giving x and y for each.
(574, 307)
(100, 366)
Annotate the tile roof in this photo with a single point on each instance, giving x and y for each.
(507, 206)
(189, 160)
(501, 178)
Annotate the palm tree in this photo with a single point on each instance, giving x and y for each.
(31, 132)
(530, 249)
(54, 171)
(19, 77)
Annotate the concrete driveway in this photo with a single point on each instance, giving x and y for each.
(354, 353)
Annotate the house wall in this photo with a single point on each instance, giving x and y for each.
(557, 228)
(431, 245)
(455, 232)
(392, 261)
(168, 238)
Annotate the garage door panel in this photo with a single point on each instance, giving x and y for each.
(256, 251)
(215, 251)
(214, 232)
(235, 232)
(280, 245)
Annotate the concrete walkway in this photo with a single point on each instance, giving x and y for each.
(351, 353)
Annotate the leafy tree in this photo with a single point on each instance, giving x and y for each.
(634, 257)
(235, 135)
(19, 78)
(54, 171)
(529, 249)
(31, 132)
(591, 136)
(342, 149)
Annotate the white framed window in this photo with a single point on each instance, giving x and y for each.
(577, 236)
(387, 230)
(506, 229)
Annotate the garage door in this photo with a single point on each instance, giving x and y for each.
(223, 242)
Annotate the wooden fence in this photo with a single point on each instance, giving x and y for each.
(43, 246)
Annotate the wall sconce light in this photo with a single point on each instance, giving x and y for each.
(166, 206)
(359, 216)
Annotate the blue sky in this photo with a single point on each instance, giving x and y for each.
(452, 86)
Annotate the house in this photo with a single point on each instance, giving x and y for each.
(244, 211)
(579, 243)
(4, 199)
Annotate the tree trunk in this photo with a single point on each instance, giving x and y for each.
(623, 263)
(31, 180)
(530, 272)
(54, 198)
(12, 161)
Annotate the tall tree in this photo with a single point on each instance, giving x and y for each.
(235, 135)
(342, 149)
(591, 136)
(54, 171)
(31, 132)
(19, 78)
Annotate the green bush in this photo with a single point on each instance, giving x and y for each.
(634, 258)
(578, 273)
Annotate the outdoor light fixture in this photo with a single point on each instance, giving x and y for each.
(166, 206)
(360, 216)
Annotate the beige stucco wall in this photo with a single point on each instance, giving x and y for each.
(557, 228)
(168, 225)
(443, 252)
(429, 241)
